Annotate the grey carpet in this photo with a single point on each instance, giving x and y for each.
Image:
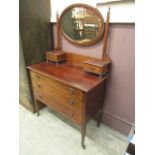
(50, 135)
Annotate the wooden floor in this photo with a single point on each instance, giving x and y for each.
(50, 135)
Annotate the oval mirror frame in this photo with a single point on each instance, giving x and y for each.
(101, 24)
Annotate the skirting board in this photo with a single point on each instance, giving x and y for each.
(117, 124)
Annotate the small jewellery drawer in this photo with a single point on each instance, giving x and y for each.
(93, 69)
(72, 114)
(60, 87)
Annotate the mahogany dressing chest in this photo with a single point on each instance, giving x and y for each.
(74, 88)
(68, 90)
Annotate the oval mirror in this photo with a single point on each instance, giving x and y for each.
(81, 24)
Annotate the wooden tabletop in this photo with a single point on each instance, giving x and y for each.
(68, 74)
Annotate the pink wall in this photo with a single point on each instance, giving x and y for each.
(120, 95)
(94, 50)
(119, 109)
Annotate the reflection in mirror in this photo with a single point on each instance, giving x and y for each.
(81, 25)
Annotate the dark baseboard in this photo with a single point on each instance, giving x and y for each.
(116, 123)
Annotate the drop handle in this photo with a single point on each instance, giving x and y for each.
(71, 102)
(71, 114)
(39, 85)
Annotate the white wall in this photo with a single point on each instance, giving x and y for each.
(60, 5)
(122, 11)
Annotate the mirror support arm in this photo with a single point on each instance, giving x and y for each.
(106, 35)
(58, 32)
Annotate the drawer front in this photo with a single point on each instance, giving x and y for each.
(63, 89)
(55, 58)
(95, 69)
(67, 101)
(69, 113)
(91, 68)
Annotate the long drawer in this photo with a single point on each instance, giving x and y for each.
(73, 115)
(67, 101)
(61, 88)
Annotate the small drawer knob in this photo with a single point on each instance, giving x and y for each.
(37, 76)
(40, 96)
(91, 68)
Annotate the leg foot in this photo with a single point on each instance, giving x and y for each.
(83, 133)
(99, 118)
(38, 113)
(98, 124)
(36, 106)
(83, 146)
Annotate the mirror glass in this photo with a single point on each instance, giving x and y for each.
(82, 24)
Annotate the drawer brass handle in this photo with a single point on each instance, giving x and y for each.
(71, 91)
(40, 96)
(71, 102)
(39, 85)
(71, 114)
